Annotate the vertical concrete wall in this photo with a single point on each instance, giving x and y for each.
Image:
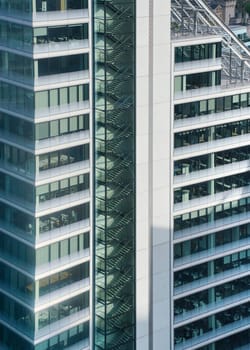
(153, 175)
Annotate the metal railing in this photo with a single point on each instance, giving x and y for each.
(195, 18)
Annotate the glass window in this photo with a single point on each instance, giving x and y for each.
(54, 251)
(63, 96)
(52, 5)
(178, 84)
(73, 94)
(54, 128)
(73, 245)
(43, 255)
(243, 100)
(53, 98)
(54, 161)
(42, 192)
(42, 99)
(42, 131)
(236, 101)
(203, 107)
(63, 126)
(54, 189)
(64, 248)
(73, 124)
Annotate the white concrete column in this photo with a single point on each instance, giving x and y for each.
(154, 175)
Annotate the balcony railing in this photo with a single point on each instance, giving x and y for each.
(207, 282)
(211, 308)
(211, 336)
(211, 146)
(42, 50)
(212, 253)
(211, 173)
(204, 229)
(50, 17)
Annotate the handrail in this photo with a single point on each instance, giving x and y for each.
(195, 16)
(224, 27)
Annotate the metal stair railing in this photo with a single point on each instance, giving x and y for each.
(194, 17)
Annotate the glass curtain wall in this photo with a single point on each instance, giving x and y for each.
(114, 26)
(44, 297)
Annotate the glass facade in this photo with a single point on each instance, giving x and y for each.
(197, 52)
(63, 157)
(76, 274)
(24, 69)
(26, 38)
(27, 102)
(207, 243)
(207, 297)
(211, 214)
(45, 205)
(56, 5)
(213, 105)
(114, 54)
(71, 337)
(227, 156)
(197, 80)
(212, 323)
(25, 8)
(20, 284)
(213, 133)
(211, 234)
(211, 187)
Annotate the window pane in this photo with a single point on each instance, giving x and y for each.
(73, 124)
(42, 131)
(63, 126)
(53, 98)
(54, 128)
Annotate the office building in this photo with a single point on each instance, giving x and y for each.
(124, 160)
(45, 205)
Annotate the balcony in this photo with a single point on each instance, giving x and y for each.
(210, 92)
(82, 345)
(210, 254)
(45, 145)
(63, 141)
(211, 173)
(54, 48)
(67, 291)
(212, 146)
(197, 66)
(60, 203)
(55, 266)
(46, 332)
(207, 120)
(48, 175)
(211, 336)
(204, 229)
(56, 80)
(210, 281)
(44, 114)
(211, 200)
(211, 308)
(49, 18)
(62, 325)
(59, 233)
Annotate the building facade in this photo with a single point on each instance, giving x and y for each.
(124, 177)
(45, 175)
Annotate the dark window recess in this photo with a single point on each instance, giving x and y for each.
(64, 64)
